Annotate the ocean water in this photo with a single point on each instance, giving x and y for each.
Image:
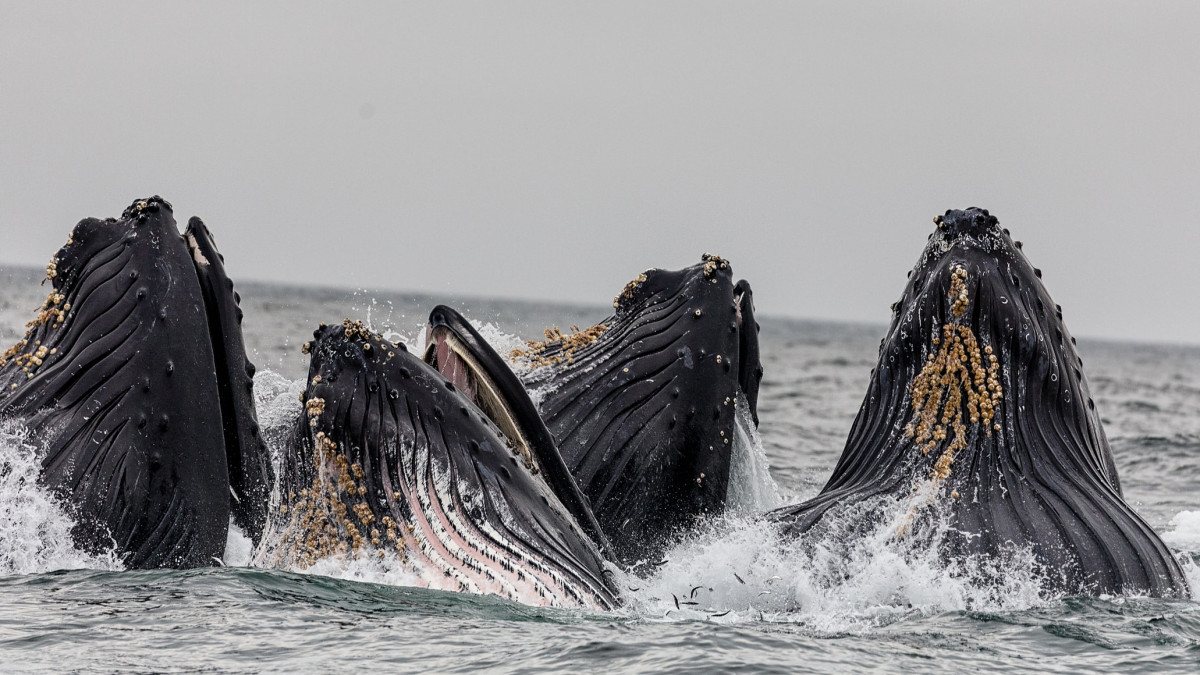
(730, 597)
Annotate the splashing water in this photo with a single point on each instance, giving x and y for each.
(35, 529)
(1185, 532)
(751, 488)
(739, 568)
(742, 569)
(238, 547)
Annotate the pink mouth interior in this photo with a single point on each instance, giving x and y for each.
(450, 365)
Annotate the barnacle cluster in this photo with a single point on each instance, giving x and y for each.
(568, 344)
(315, 407)
(959, 383)
(627, 292)
(712, 263)
(357, 329)
(27, 362)
(331, 515)
(52, 312)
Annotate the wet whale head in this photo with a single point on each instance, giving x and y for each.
(118, 381)
(979, 412)
(643, 404)
(391, 460)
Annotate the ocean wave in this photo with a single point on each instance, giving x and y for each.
(35, 526)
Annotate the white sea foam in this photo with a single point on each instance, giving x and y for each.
(504, 343)
(35, 529)
(743, 569)
(1185, 532)
(238, 547)
(277, 403)
(368, 567)
(1184, 536)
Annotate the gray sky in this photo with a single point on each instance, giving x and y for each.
(555, 149)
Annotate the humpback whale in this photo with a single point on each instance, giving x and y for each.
(979, 413)
(134, 378)
(642, 405)
(391, 460)
(464, 357)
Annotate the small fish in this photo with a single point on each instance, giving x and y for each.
(740, 580)
(689, 602)
(218, 561)
(765, 593)
(694, 589)
(713, 616)
(660, 563)
(676, 600)
(635, 590)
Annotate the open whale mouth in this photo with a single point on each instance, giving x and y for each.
(449, 351)
(391, 459)
(457, 351)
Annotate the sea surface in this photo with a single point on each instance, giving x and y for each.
(760, 605)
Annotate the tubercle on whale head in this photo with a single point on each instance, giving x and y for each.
(141, 208)
(93, 234)
(712, 268)
(350, 344)
(86, 241)
(334, 504)
(978, 418)
(974, 315)
(110, 357)
(659, 386)
(391, 456)
(957, 391)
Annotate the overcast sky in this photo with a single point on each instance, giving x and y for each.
(555, 149)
